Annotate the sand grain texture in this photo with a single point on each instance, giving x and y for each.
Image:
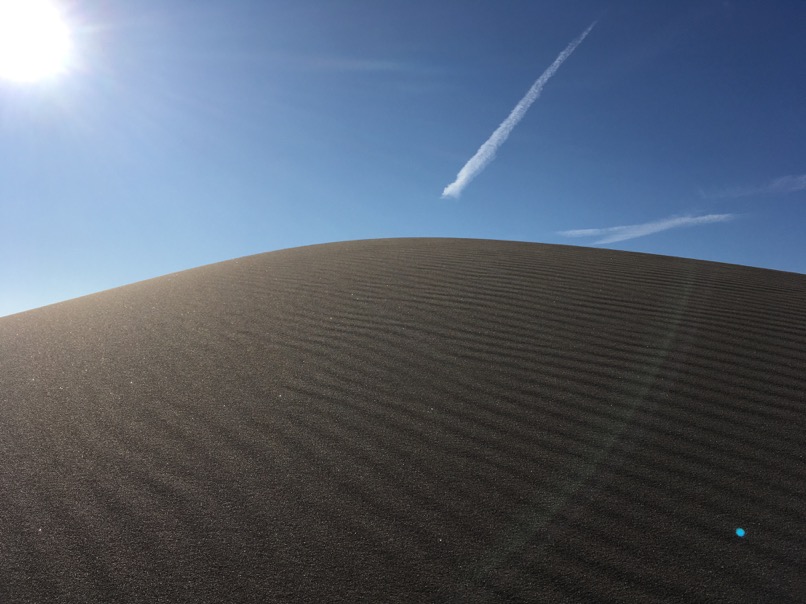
(410, 420)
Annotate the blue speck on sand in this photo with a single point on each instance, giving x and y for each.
(740, 532)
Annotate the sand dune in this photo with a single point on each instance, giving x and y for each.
(410, 420)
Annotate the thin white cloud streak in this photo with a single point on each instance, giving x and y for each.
(342, 64)
(779, 186)
(632, 231)
(487, 151)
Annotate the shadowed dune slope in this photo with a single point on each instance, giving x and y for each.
(410, 420)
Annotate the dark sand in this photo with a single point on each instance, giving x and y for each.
(410, 420)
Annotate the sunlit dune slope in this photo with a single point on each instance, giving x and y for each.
(410, 420)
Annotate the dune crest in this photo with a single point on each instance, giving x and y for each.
(409, 420)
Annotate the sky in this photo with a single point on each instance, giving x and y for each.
(185, 132)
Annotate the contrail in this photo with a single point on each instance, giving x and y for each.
(780, 186)
(486, 152)
(632, 231)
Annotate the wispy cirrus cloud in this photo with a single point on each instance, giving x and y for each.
(353, 64)
(344, 64)
(487, 151)
(633, 231)
(779, 186)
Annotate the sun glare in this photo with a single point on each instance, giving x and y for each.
(35, 40)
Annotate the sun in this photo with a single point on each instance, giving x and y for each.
(35, 40)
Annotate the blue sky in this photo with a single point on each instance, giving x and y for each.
(190, 132)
